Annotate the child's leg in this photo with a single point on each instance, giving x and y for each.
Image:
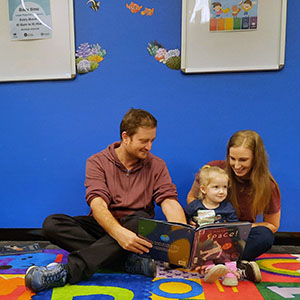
(231, 265)
(214, 272)
(231, 277)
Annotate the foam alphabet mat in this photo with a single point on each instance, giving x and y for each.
(280, 280)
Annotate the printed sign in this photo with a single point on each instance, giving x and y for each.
(30, 19)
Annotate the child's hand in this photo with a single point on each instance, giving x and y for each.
(194, 224)
(201, 269)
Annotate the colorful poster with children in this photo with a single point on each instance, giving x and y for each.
(233, 15)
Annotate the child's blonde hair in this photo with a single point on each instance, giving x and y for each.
(207, 174)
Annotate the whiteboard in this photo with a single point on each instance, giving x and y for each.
(39, 59)
(222, 51)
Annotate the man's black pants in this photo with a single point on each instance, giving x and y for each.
(89, 245)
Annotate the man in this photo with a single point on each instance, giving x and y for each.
(122, 183)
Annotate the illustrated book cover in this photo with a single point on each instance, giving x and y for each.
(20, 249)
(186, 246)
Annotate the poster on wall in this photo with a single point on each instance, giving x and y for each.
(29, 19)
(233, 15)
(258, 46)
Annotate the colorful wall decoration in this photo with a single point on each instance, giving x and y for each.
(233, 15)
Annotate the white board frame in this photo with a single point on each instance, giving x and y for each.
(41, 59)
(264, 48)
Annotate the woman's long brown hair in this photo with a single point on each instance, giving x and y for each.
(260, 176)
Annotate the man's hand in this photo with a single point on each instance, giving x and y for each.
(129, 241)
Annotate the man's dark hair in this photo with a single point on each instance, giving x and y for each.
(134, 119)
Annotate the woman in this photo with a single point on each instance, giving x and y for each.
(254, 191)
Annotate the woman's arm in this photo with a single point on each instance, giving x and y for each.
(193, 191)
(272, 221)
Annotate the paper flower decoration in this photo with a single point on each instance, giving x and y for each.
(171, 58)
(88, 57)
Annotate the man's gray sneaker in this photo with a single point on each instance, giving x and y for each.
(136, 264)
(43, 278)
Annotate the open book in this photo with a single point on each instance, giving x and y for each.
(184, 245)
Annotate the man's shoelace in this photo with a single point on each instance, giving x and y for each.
(51, 276)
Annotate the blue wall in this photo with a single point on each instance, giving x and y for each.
(49, 129)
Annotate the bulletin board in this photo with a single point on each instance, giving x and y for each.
(39, 59)
(208, 47)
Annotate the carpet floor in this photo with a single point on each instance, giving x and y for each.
(280, 280)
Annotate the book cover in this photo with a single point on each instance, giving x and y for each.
(172, 242)
(221, 243)
(20, 249)
(186, 246)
